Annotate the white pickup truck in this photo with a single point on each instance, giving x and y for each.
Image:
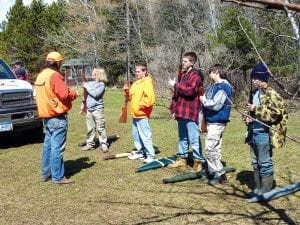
(18, 110)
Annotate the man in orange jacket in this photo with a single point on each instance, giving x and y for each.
(142, 98)
(54, 100)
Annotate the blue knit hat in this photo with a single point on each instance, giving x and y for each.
(260, 72)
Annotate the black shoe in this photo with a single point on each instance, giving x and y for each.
(220, 180)
(204, 165)
(206, 175)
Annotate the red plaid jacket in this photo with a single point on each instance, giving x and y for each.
(185, 102)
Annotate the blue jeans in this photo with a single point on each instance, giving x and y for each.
(142, 136)
(188, 132)
(54, 147)
(261, 153)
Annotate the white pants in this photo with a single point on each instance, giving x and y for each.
(213, 144)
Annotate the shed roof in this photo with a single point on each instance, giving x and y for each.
(78, 62)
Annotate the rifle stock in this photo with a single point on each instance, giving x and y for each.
(83, 107)
(116, 156)
(123, 116)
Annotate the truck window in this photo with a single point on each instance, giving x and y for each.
(5, 72)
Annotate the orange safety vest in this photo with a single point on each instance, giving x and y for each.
(49, 105)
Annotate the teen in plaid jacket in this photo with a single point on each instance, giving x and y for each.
(185, 108)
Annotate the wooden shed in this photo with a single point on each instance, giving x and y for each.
(75, 69)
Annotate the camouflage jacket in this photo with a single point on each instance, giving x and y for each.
(273, 112)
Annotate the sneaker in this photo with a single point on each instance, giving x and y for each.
(104, 148)
(134, 152)
(87, 148)
(136, 156)
(149, 160)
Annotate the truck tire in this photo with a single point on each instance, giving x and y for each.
(39, 133)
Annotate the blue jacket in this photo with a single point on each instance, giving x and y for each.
(216, 103)
(95, 92)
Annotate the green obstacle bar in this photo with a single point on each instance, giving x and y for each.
(162, 162)
(276, 193)
(192, 176)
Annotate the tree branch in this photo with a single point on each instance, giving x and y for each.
(261, 59)
(266, 4)
(278, 35)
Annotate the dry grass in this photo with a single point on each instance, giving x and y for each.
(110, 192)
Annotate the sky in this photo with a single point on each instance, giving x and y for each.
(6, 4)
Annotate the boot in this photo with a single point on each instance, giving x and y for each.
(257, 184)
(180, 162)
(266, 184)
(197, 167)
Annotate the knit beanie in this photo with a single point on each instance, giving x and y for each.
(260, 72)
(20, 72)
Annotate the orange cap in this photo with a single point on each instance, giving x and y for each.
(54, 57)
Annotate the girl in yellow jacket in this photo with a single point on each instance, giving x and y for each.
(142, 98)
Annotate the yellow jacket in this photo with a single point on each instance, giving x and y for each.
(142, 98)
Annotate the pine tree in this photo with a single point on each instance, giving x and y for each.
(234, 39)
(13, 31)
(33, 43)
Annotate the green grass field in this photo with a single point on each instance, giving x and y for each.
(110, 192)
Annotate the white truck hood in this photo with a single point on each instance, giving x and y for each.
(13, 84)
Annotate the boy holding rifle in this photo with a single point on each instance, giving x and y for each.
(185, 108)
(216, 103)
(268, 107)
(141, 98)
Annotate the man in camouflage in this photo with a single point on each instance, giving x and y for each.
(268, 107)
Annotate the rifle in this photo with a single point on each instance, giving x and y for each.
(249, 134)
(179, 72)
(83, 108)
(203, 128)
(123, 116)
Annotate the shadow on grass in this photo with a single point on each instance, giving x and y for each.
(231, 217)
(229, 194)
(75, 166)
(110, 140)
(246, 178)
(259, 217)
(12, 140)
